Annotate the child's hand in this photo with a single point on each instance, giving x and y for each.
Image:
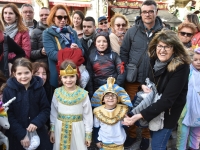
(99, 145)
(87, 143)
(25, 142)
(52, 137)
(146, 89)
(31, 128)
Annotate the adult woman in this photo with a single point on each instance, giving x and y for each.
(77, 20)
(185, 33)
(58, 22)
(15, 28)
(169, 70)
(193, 18)
(8, 46)
(119, 25)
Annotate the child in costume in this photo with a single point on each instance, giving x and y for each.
(189, 122)
(71, 112)
(108, 130)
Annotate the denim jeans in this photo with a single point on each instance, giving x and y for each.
(160, 138)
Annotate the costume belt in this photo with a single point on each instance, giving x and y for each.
(66, 130)
(112, 147)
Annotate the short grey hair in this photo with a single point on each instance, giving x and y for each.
(27, 5)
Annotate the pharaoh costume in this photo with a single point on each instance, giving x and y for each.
(71, 117)
(108, 123)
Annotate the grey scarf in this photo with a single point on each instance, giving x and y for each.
(11, 30)
(89, 39)
(160, 65)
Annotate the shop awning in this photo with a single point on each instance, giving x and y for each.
(131, 14)
(72, 4)
(16, 1)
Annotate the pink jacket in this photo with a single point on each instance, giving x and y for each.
(23, 40)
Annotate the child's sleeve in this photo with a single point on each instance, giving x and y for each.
(87, 118)
(54, 113)
(96, 129)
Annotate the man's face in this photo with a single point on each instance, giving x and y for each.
(44, 13)
(88, 28)
(27, 14)
(148, 14)
(103, 24)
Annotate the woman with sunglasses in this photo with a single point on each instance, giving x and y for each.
(185, 34)
(59, 27)
(119, 25)
(77, 20)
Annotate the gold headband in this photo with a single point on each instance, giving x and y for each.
(68, 71)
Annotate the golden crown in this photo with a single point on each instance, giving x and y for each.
(68, 71)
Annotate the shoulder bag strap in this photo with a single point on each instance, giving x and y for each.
(58, 43)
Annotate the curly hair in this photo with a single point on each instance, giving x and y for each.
(50, 19)
(170, 38)
(117, 15)
(20, 25)
(187, 25)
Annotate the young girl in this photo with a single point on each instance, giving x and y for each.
(108, 130)
(189, 122)
(71, 112)
(103, 63)
(30, 111)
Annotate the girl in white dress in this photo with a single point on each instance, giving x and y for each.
(71, 113)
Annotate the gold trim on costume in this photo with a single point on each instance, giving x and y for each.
(88, 136)
(112, 147)
(66, 130)
(68, 71)
(70, 98)
(108, 117)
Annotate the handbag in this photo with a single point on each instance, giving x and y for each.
(74, 54)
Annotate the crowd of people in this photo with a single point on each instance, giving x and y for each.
(77, 84)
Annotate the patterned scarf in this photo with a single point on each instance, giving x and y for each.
(11, 30)
(66, 34)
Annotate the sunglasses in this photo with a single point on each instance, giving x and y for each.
(61, 17)
(105, 22)
(119, 25)
(186, 34)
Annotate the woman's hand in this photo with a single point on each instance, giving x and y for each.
(25, 142)
(146, 89)
(31, 128)
(74, 45)
(99, 145)
(52, 137)
(128, 121)
(87, 143)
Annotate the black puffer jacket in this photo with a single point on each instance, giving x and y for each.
(134, 45)
(37, 44)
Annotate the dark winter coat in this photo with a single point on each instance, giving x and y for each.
(134, 45)
(30, 106)
(172, 82)
(37, 43)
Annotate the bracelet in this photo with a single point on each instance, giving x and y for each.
(88, 136)
(52, 128)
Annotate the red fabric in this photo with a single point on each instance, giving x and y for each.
(1, 36)
(196, 39)
(121, 65)
(73, 54)
(23, 40)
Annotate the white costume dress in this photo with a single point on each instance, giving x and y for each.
(71, 113)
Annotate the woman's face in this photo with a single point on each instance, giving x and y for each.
(164, 51)
(120, 25)
(185, 35)
(196, 61)
(101, 43)
(61, 18)
(42, 74)
(9, 16)
(77, 20)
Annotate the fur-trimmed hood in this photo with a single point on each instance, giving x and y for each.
(174, 63)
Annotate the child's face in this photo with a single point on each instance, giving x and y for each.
(23, 75)
(196, 61)
(69, 81)
(110, 99)
(101, 43)
(42, 74)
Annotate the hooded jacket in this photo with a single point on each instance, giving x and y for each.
(134, 45)
(30, 106)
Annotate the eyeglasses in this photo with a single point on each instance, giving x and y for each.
(105, 22)
(61, 17)
(186, 34)
(119, 25)
(167, 48)
(26, 12)
(150, 12)
(113, 96)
